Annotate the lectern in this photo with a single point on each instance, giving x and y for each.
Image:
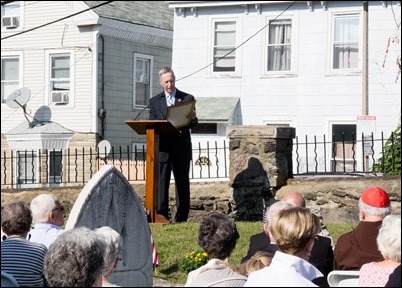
(152, 129)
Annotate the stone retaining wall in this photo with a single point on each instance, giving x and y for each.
(335, 197)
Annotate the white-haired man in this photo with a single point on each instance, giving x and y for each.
(47, 217)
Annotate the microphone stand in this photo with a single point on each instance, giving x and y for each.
(143, 109)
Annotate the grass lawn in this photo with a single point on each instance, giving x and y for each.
(174, 240)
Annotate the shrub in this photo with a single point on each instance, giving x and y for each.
(390, 162)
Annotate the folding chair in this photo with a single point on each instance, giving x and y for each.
(343, 278)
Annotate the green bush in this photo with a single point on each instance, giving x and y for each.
(390, 162)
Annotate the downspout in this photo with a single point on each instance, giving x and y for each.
(365, 100)
(102, 110)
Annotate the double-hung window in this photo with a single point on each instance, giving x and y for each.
(60, 78)
(10, 75)
(142, 79)
(279, 47)
(224, 46)
(27, 167)
(345, 42)
(10, 15)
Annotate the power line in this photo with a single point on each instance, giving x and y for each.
(69, 16)
(234, 49)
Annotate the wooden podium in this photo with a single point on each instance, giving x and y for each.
(152, 129)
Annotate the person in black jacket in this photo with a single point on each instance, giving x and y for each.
(175, 151)
(394, 279)
(322, 255)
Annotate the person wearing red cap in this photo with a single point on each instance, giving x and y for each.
(359, 246)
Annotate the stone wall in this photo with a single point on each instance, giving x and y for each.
(260, 160)
(335, 197)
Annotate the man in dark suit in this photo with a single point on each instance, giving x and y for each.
(322, 255)
(175, 151)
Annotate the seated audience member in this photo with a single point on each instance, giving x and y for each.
(258, 261)
(394, 279)
(75, 259)
(47, 217)
(376, 274)
(322, 255)
(114, 245)
(19, 257)
(217, 235)
(3, 235)
(359, 246)
(294, 232)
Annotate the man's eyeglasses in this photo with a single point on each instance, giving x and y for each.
(61, 208)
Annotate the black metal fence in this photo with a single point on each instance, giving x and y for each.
(348, 155)
(72, 167)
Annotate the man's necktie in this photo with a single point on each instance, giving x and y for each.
(170, 100)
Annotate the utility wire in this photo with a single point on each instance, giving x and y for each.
(234, 49)
(69, 16)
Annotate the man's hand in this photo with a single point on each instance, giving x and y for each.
(192, 115)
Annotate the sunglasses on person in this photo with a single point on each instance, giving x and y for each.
(61, 208)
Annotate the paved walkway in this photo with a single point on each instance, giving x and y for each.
(159, 282)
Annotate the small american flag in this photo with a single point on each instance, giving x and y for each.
(155, 258)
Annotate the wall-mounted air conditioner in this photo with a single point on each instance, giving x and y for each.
(9, 21)
(60, 97)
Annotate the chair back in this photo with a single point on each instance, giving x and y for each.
(8, 280)
(343, 278)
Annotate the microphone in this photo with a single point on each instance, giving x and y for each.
(143, 109)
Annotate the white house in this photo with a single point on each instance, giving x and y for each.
(328, 68)
(72, 72)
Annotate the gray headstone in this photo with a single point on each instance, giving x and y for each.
(108, 199)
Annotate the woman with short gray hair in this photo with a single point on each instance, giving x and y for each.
(114, 245)
(75, 259)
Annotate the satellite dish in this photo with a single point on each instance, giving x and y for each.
(19, 98)
(104, 148)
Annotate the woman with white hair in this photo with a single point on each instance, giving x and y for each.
(375, 274)
(111, 257)
(47, 218)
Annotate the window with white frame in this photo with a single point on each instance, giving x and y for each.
(27, 167)
(345, 41)
(224, 44)
(10, 75)
(60, 78)
(142, 79)
(10, 14)
(279, 46)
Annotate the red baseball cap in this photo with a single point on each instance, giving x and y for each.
(375, 197)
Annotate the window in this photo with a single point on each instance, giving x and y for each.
(55, 166)
(27, 163)
(224, 43)
(142, 79)
(59, 77)
(10, 75)
(279, 47)
(205, 128)
(10, 15)
(203, 161)
(345, 43)
(343, 148)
